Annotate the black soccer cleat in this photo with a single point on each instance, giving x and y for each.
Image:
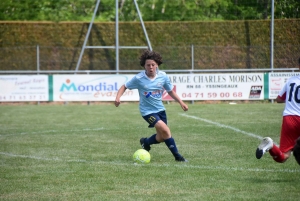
(143, 144)
(259, 153)
(181, 159)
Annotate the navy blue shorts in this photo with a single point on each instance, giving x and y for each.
(153, 118)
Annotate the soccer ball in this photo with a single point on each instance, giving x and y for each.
(141, 156)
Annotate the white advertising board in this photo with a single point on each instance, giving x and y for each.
(277, 81)
(17, 88)
(242, 86)
(91, 88)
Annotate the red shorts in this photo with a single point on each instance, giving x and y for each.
(290, 131)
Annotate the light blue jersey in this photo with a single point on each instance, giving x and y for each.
(150, 91)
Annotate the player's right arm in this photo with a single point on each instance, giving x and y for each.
(119, 94)
(282, 94)
(280, 99)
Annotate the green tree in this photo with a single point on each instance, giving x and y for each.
(287, 9)
(174, 10)
(50, 10)
(152, 10)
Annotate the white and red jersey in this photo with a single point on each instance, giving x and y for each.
(291, 94)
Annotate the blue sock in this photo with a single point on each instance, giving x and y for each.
(152, 140)
(172, 147)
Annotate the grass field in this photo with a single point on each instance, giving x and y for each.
(84, 152)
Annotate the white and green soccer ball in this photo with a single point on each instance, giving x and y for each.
(141, 156)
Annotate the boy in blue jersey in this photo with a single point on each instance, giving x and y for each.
(151, 84)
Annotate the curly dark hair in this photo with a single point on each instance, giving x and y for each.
(150, 55)
(296, 151)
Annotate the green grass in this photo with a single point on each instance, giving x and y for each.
(84, 152)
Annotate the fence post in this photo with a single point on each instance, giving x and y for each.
(38, 59)
(192, 60)
(38, 63)
(272, 39)
(88, 72)
(192, 56)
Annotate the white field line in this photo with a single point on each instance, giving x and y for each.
(158, 165)
(223, 126)
(54, 131)
(71, 130)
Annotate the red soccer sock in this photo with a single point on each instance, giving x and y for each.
(277, 155)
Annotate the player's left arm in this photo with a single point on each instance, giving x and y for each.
(174, 95)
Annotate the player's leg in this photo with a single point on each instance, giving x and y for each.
(164, 133)
(146, 142)
(278, 155)
(289, 133)
(267, 145)
(152, 119)
(296, 151)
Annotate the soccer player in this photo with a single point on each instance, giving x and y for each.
(151, 84)
(290, 129)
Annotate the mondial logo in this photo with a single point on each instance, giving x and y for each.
(102, 86)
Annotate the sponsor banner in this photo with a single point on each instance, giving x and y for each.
(246, 86)
(17, 88)
(235, 86)
(277, 81)
(91, 88)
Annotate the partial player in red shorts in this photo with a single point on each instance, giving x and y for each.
(290, 129)
(296, 151)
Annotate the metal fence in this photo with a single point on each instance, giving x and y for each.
(176, 58)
